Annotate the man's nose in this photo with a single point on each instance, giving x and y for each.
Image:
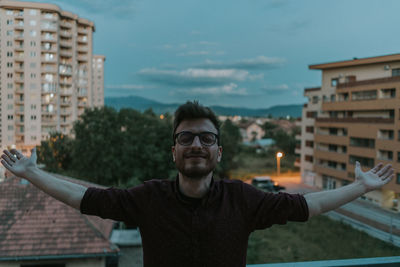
(196, 142)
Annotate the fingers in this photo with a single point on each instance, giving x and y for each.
(9, 155)
(388, 174)
(377, 168)
(388, 179)
(7, 160)
(384, 170)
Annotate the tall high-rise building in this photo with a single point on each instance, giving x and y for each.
(48, 74)
(353, 116)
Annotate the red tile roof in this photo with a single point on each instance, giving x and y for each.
(35, 224)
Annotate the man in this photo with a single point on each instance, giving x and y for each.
(194, 220)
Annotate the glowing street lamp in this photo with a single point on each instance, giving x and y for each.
(279, 155)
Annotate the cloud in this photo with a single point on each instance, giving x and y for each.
(227, 89)
(258, 63)
(126, 86)
(193, 77)
(194, 53)
(275, 89)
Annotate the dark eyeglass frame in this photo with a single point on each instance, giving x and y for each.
(194, 136)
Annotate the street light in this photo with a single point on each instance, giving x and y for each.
(279, 155)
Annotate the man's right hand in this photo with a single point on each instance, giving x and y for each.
(18, 164)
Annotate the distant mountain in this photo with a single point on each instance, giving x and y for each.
(141, 104)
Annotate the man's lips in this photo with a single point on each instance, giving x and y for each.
(195, 156)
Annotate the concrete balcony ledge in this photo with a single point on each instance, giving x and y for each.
(380, 261)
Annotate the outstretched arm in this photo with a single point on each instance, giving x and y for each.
(375, 178)
(62, 190)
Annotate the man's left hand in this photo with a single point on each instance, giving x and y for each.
(374, 178)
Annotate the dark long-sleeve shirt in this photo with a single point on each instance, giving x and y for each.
(175, 232)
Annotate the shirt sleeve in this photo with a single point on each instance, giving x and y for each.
(127, 205)
(265, 209)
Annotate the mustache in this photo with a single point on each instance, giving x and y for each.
(195, 154)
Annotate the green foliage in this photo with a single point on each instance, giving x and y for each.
(114, 148)
(269, 129)
(231, 141)
(285, 141)
(308, 242)
(56, 152)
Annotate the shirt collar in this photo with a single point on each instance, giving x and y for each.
(206, 200)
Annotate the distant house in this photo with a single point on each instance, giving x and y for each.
(37, 230)
(251, 131)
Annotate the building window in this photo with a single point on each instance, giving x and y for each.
(32, 22)
(33, 43)
(364, 161)
(9, 43)
(10, 33)
(10, 117)
(309, 143)
(395, 72)
(386, 134)
(388, 93)
(309, 129)
(384, 154)
(334, 82)
(314, 98)
(364, 95)
(309, 158)
(10, 22)
(311, 114)
(362, 142)
(32, 54)
(33, 12)
(32, 33)
(398, 178)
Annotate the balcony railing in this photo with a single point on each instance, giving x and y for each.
(356, 120)
(368, 82)
(379, 261)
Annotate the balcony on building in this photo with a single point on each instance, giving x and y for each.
(66, 53)
(19, 24)
(49, 16)
(65, 34)
(67, 43)
(49, 68)
(65, 24)
(49, 37)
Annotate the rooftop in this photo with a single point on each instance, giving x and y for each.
(356, 62)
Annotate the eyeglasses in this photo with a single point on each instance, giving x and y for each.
(186, 138)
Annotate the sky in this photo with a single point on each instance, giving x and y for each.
(236, 53)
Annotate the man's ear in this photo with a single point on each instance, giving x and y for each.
(219, 153)
(173, 153)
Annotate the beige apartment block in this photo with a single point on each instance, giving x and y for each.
(98, 81)
(47, 78)
(353, 116)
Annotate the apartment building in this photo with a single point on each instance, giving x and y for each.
(353, 116)
(47, 77)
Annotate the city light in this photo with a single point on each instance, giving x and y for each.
(279, 155)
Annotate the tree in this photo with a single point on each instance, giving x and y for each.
(97, 146)
(269, 129)
(56, 152)
(231, 141)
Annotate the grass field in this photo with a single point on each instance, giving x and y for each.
(318, 239)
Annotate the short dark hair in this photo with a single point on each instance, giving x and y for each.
(194, 110)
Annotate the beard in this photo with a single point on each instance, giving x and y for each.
(196, 170)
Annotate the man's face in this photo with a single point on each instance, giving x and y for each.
(196, 160)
